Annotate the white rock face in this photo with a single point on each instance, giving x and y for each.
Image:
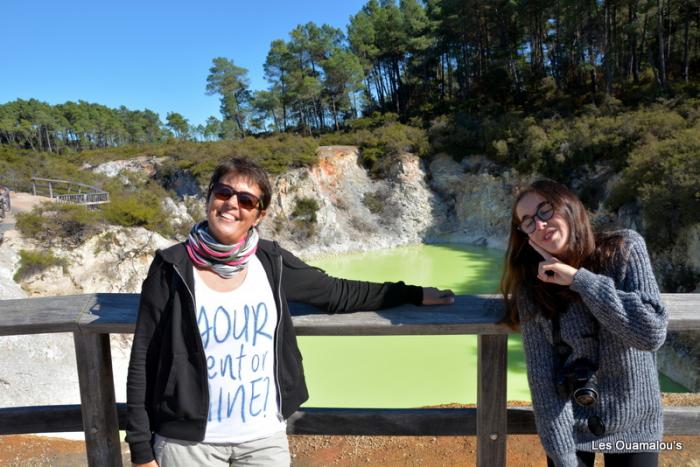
(144, 164)
(482, 201)
(9, 258)
(178, 216)
(116, 260)
(344, 222)
(693, 249)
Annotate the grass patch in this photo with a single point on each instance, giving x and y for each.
(55, 224)
(34, 262)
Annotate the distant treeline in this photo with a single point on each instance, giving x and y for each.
(420, 60)
(78, 126)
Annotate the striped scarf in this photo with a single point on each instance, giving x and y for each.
(225, 260)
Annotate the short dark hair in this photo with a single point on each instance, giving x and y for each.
(246, 169)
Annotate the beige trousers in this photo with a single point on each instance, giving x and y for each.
(270, 451)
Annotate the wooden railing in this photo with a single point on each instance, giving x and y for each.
(66, 191)
(91, 318)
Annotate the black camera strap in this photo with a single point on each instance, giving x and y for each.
(562, 349)
(562, 353)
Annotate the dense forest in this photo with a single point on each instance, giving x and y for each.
(419, 60)
(603, 95)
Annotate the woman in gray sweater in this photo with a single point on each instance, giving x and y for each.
(591, 319)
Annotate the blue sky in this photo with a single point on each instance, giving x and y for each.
(144, 54)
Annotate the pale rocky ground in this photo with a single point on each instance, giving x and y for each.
(481, 202)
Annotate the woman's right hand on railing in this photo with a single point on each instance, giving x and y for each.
(153, 463)
(433, 296)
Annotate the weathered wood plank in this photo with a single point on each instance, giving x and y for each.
(684, 311)
(471, 314)
(47, 419)
(40, 419)
(492, 419)
(682, 420)
(97, 399)
(110, 313)
(521, 421)
(444, 422)
(41, 315)
(383, 422)
(367, 422)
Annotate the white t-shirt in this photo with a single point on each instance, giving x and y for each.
(238, 332)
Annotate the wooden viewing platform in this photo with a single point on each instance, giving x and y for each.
(92, 317)
(66, 191)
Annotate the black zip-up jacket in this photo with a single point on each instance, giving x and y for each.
(166, 387)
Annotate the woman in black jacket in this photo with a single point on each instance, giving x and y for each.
(215, 369)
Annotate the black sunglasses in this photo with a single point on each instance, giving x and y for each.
(544, 212)
(247, 201)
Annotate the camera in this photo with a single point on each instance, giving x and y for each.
(578, 380)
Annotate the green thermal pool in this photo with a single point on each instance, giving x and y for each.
(411, 371)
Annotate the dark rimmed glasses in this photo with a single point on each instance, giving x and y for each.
(544, 212)
(247, 201)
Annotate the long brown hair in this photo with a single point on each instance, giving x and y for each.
(521, 262)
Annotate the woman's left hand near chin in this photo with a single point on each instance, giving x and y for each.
(551, 270)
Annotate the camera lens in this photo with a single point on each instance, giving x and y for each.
(596, 425)
(585, 396)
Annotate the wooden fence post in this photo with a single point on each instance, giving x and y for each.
(97, 401)
(491, 412)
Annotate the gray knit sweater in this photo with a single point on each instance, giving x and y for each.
(631, 319)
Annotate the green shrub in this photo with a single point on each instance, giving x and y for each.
(139, 203)
(374, 121)
(275, 153)
(138, 209)
(17, 167)
(33, 262)
(59, 224)
(31, 224)
(665, 177)
(379, 144)
(374, 202)
(560, 146)
(305, 209)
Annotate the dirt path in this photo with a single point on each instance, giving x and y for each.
(522, 450)
(23, 202)
(20, 202)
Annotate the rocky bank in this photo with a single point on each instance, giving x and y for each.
(355, 212)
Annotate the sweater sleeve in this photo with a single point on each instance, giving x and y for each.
(308, 284)
(151, 304)
(634, 311)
